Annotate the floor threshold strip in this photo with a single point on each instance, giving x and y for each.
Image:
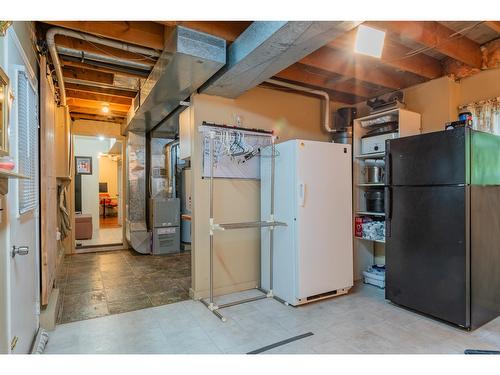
(280, 343)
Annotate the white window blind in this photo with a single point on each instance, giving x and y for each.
(27, 142)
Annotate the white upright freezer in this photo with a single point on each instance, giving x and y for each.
(313, 255)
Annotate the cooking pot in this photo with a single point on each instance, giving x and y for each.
(374, 201)
(343, 136)
(374, 174)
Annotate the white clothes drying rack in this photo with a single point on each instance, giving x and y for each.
(271, 224)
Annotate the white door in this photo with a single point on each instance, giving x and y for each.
(23, 213)
(324, 218)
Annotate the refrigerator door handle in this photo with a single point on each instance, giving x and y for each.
(388, 210)
(388, 168)
(302, 194)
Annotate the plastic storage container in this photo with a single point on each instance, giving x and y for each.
(375, 276)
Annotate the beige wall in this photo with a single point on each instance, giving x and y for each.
(485, 85)
(108, 172)
(237, 254)
(96, 128)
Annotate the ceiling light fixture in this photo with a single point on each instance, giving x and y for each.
(369, 41)
(105, 108)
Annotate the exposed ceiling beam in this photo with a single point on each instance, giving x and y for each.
(96, 104)
(335, 96)
(81, 45)
(345, 64)
(228, 30)
(102, 67)
(87, 75)
(89, 116)
(267, 47)
(101, 90)
(95, 111)
(493, 25)
(98, 97)
(434, 35)
(300, 73)
(141, 33)
(394, 55)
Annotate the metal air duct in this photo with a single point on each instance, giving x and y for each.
(188, 60)
(266, 48)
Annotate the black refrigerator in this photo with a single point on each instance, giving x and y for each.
(442, 206)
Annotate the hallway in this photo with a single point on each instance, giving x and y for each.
(98, 284)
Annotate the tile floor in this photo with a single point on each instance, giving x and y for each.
(103, 236)
(98, 284)
(360, 322)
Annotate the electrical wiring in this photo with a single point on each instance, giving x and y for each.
(456, 35)
(145, 57)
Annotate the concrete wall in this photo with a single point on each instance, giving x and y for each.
(237, 254)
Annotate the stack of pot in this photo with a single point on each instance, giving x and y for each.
(374, 174)
(342, 123)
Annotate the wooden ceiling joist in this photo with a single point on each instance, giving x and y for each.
(98, 97)
(345, 64)
(335, 96)
(493, 25)
(95, 111)
(89, 116)
(87, 75)
(97, 104)
(395, 55)
(142, 33)
(301, 74)
(101, 67)
(100, 90)
(436, 36)
(81, 45)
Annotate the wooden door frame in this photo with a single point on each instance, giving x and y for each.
(119, 138)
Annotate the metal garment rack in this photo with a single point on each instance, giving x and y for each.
(271, 224)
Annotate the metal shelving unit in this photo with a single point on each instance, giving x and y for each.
(369, 213)
(369, 239)
(271, 224)
(375, 155)
(371, 185)
(369, 252)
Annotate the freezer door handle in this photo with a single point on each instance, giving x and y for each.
(388, 168)
(388, 210)
(302, 194)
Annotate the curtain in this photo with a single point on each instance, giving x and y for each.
(485, 115)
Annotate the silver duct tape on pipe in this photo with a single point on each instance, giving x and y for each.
(102, 58)
(51, 44)
(323, 94)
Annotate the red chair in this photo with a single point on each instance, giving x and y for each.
(107, 202)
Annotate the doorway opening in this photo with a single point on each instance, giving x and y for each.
(98, 193)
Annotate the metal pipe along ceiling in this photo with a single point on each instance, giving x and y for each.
(102, 58)
(323, 94)
(50, 37)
